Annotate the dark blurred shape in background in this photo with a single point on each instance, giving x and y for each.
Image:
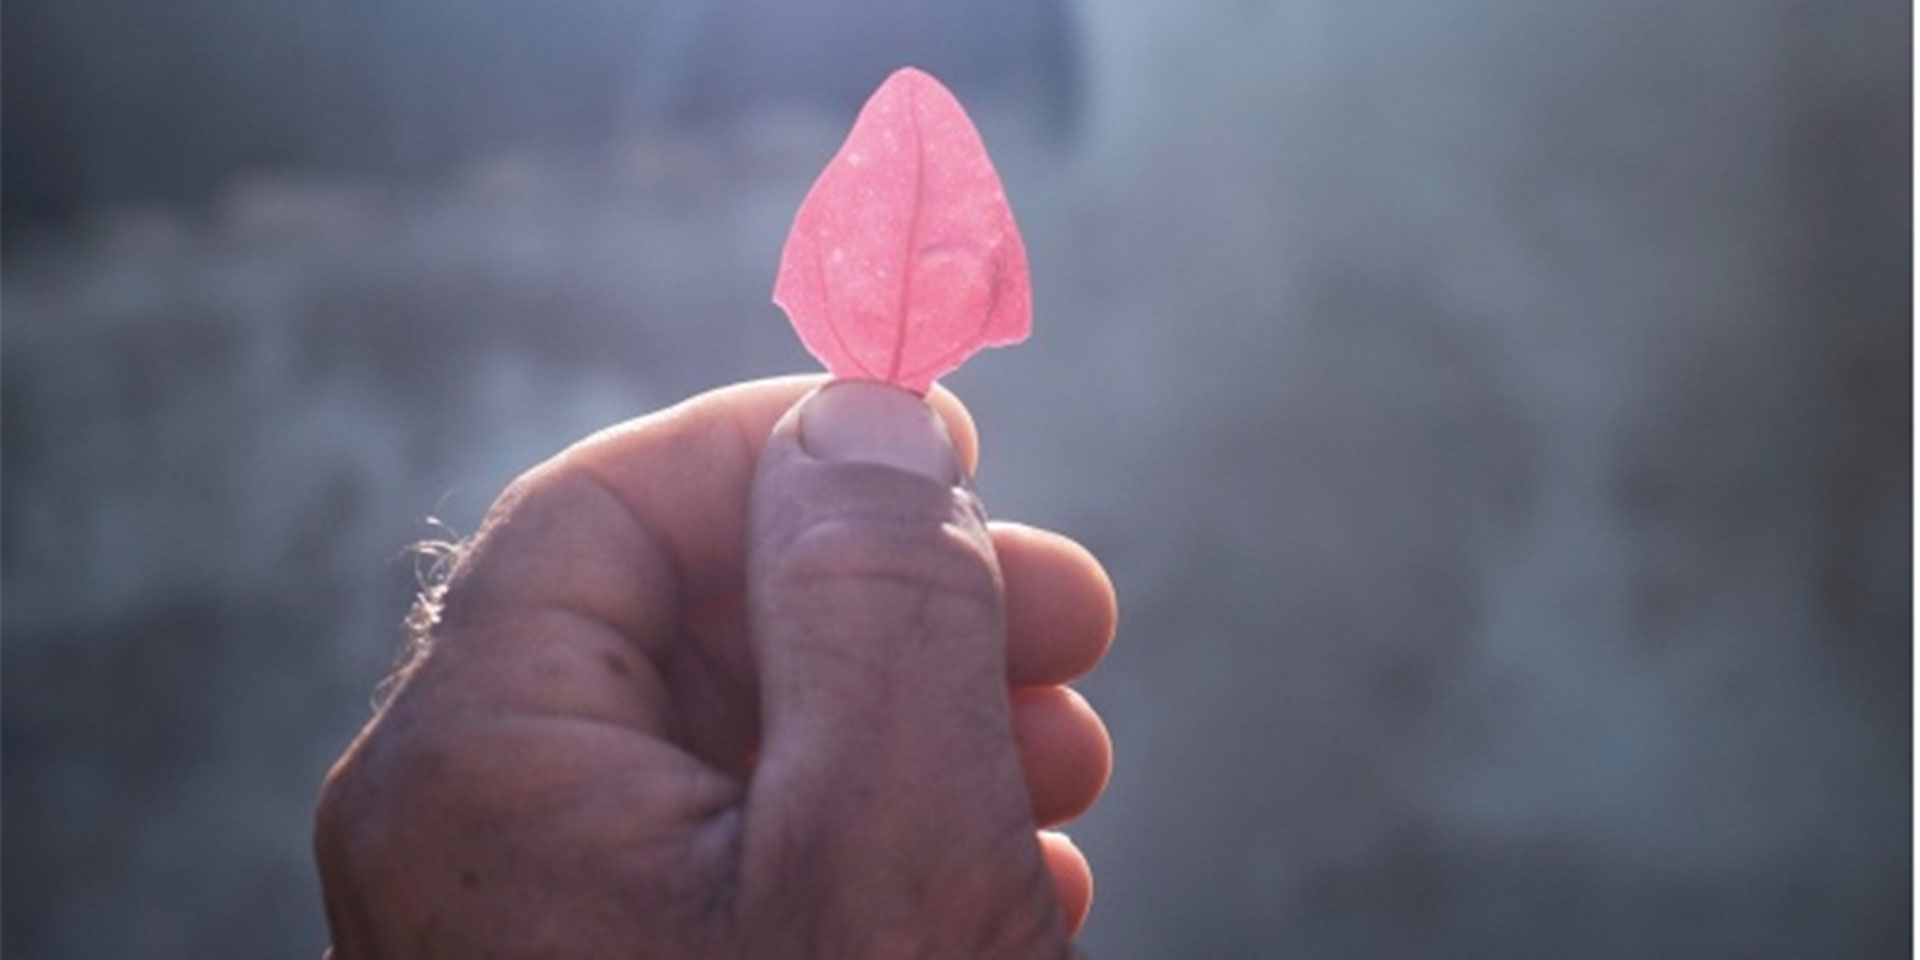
(119, 101)
(1495, 415)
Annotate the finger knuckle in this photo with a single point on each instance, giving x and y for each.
(941, 567)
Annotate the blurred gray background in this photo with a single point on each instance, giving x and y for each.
(1495, 415)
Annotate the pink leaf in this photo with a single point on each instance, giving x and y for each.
(904, 259)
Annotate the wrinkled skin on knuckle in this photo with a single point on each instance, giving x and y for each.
(908, 550)
(879, 603)
(938, 574)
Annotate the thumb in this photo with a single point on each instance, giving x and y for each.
(888, 792)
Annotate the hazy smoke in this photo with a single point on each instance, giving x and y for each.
(1494, 414)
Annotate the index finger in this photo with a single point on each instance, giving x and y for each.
(643, 523)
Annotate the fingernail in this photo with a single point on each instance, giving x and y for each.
(859, 421)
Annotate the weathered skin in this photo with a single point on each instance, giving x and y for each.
(695, 698)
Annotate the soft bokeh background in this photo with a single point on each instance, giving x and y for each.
(1495, 415)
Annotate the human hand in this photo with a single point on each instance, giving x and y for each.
(704, 686)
